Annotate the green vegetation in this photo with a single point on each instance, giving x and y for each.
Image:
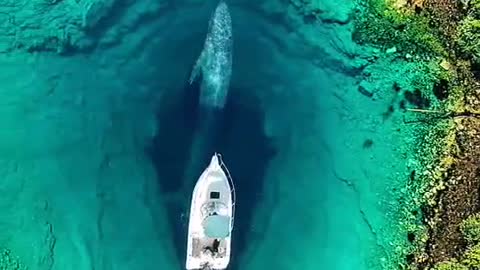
(469, 37)
(471, 232)
(471, 229)
(450, 266)
(475, 6)
(471, 258)
(377, 22)
(469, 32)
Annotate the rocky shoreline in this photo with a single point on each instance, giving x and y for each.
(446, 184)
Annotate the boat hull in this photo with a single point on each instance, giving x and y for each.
(211, 219)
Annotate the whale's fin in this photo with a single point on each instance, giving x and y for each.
(197, 68)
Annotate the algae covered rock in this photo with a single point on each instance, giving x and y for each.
(380, 23)
(9, 262)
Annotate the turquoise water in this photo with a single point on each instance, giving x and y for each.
(96, 140)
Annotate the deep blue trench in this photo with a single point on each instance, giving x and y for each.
(238, 136)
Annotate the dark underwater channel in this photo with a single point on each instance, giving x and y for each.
(238, 136)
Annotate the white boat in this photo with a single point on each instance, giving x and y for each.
(211, 218)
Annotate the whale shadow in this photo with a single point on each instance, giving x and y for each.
(169, 152)
(240, 139)
(246, 151)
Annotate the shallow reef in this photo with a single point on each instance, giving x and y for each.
(8, 261)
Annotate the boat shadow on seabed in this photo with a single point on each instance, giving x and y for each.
(245, 149)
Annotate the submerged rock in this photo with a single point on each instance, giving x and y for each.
(440, 90)
(417, 98)
(364, 91)
(391, 50)
(94, 11)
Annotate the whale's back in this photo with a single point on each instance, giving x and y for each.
(220, 28)
(218, 62)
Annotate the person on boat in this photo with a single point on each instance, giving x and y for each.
(209, 251)
(214, 248)
(216, 243)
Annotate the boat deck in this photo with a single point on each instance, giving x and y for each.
(203, 246)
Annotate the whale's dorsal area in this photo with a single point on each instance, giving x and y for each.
(215, 60)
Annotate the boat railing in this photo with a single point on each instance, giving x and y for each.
(232, 186)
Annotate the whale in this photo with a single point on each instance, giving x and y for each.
(215, 60)
(211, 74)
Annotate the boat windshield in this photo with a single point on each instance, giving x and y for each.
(211, 208)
